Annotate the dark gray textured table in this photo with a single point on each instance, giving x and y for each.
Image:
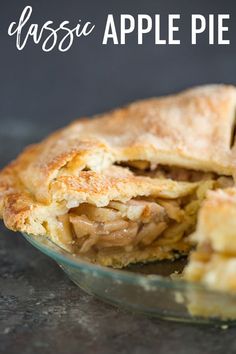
(42, 311)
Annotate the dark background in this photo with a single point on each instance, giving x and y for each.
(41, 311)
(50, 89)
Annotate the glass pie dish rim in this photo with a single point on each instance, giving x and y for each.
(138, 291)
(60, 255)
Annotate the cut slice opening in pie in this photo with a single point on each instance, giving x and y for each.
(126, 186)
(145, 227)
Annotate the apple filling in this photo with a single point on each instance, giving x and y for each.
(176, 173)
(136, 224)
(141, 222)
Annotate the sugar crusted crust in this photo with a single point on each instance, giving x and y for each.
(192, 129)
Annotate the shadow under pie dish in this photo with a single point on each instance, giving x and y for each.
(139, 184)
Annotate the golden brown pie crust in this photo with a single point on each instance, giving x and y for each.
(85, 162)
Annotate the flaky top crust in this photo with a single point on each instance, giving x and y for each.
(192, 129)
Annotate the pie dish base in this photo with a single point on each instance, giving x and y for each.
(145, 288)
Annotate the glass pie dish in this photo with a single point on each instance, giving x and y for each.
(155, 289)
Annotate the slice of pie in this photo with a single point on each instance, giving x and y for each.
(126, 186)
(214, 261)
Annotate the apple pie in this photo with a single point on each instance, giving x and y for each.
(126, 186)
